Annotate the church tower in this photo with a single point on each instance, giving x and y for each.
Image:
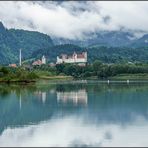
(43, 60)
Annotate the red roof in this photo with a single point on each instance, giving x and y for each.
(38, 62)
(80, 56)
(12, 65)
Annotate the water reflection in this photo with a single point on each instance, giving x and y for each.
(41, 95)
(73, 131)
(20, 101)
(76, 97)
(96, 114)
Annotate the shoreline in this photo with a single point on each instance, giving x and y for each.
(119, 78)
(18, 81)
(56, 77)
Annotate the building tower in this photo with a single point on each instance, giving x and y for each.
(85, 55)
(43, 60)
(20, 58)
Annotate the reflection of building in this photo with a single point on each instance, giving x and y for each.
(74, 58)
(76, 97)
(52, 91)
(41, 95)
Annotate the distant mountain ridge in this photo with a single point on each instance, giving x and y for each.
(109, 38)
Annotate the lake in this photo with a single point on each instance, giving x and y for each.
(74, 113)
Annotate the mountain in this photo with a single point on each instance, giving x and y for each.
(121, 38)
(11, 40)
(141, 42)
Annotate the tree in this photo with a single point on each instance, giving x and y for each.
(4, 70)
(96, 66)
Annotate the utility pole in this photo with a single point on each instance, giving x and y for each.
(20, 57)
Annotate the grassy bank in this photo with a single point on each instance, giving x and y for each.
(130, 77)
(56, 77)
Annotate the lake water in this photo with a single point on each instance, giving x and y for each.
(74, 113)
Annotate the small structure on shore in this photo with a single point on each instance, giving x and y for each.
(127, 81)
(12, 65)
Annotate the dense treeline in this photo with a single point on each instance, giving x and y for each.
(97, 69)
(101, 70)
(16, 74)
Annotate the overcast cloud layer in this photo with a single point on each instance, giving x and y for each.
(74, 20)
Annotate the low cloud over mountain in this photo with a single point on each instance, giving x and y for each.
(74, 20)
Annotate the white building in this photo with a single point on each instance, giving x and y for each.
(43, 60)
(74, 58)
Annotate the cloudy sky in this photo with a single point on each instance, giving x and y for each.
(74, 19)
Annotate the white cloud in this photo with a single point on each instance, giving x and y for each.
(74, 19)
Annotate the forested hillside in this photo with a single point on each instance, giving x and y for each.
(12, 40)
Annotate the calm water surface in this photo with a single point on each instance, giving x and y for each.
(75, 113)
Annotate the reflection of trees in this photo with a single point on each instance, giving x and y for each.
(4, 92)
(7, 89)
(101, 87)
(70, 87)
(97, 88)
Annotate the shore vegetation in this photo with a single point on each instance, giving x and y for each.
(96, 70)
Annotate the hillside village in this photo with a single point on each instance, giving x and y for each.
(75, 58)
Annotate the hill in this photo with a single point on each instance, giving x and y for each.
(11, 40)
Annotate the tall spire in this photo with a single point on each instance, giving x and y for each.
(20, 57)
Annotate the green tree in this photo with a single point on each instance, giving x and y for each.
(96, 66)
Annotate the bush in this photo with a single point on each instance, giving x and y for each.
(4, 70)
(32, 75)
